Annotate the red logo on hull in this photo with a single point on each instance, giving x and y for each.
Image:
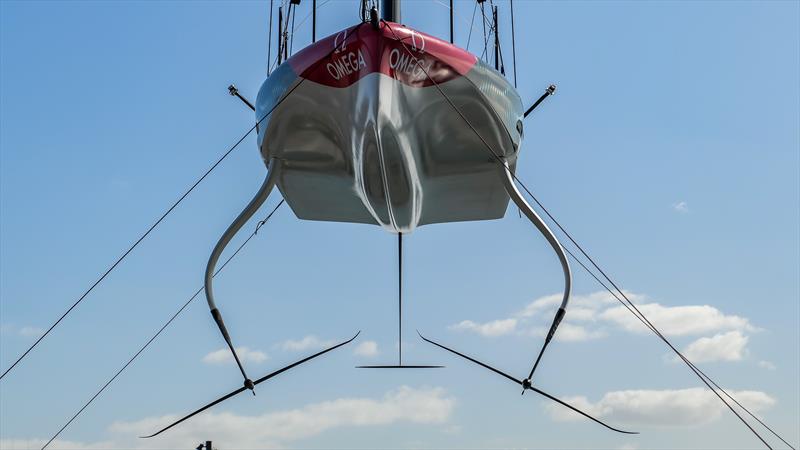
(413, 58)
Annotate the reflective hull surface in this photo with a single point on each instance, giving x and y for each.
(368, 132)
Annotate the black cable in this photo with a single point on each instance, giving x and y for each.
(135, 244)
(500, 161)
(502, 61)
(632, 311)
(642, 318)
(485, 37)
(258, 226)
(700, 374)
(163, 327)
(269, 41)
(278, 103)
(294, 16)
(513, 43)
(471, 24)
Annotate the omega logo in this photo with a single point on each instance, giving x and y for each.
(343, 36)
(417, 42)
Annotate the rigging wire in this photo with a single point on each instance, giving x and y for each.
(225, 155)
(485, 36)
(163, 327)
(291, 41)
(646, 322)
(285, 36)
(258, 226)
(610, 291)
(307, 16)
(643, 317)
(274, 64)
(130, 249)
(638, 314)
(502, 60)
(459, 17)
(513, 43)
(472, 24)
(269, 40)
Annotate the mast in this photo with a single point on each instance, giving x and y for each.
(314, 21)
(390, 10)
(496, 39)
(451, 21)
(280, 35)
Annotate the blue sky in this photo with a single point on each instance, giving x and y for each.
(671, 151)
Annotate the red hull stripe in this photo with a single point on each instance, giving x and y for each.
(362, 50)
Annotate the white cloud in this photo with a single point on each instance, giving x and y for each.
(31, 331)
(224, 356)
(405, 404)
(598, 307)
(568, 332)
(421, 406)
(679, 408)
(730, 346)
(766, 365)
(367, 348)
(309, 342)
(676, 320)
(542, 303)
(58, 444)
(27, 331)
(493, 328)
(681, 207)
(581, 307)
(593, 316)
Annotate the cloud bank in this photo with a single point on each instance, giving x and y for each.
(422, 406)
(493, 328)
(594, 316)
(224, 356)
(310, 342)
(665, 408)
(367, 348)
(730, 346)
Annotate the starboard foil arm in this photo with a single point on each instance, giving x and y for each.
(244, 216)
(525, 207)
(525, 384)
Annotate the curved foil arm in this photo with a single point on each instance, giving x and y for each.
(244, 216)
(519, 200)
(258, 381)
(523, 205)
